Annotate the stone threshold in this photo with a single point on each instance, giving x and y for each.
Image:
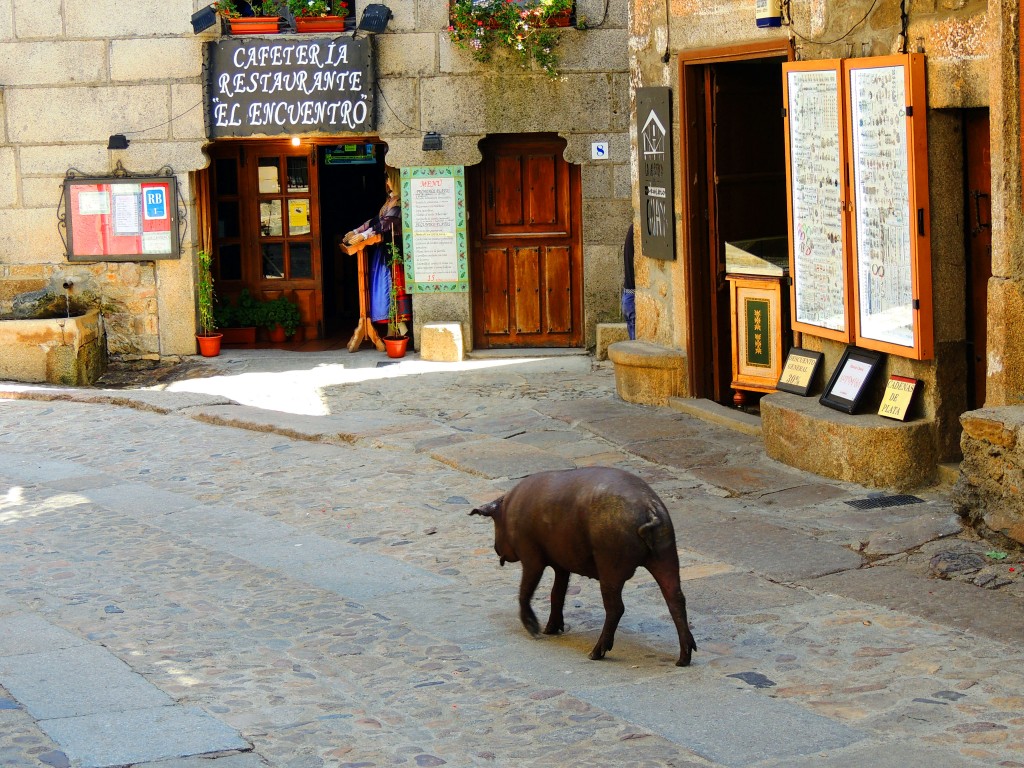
(715, 413)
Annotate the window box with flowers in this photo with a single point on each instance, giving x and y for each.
(264, 20)
(319, 15)
(528, 28)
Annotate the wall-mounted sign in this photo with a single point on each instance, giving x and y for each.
(654, 147)
(434, 229)
(350, 154)
(291, 85)
(130, 219)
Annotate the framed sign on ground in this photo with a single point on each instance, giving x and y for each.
(850, 379)
(121, 219)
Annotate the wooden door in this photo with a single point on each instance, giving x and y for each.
(978, 163)
(525, 255)
(266, 225)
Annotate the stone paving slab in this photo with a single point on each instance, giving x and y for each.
(98, 741)
(157, 401)
(913, 533)
(28, 633)
(71, 682)
(769, 549)
(494, 458)
(995, 615)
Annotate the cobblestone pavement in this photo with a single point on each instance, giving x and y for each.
(268, 561)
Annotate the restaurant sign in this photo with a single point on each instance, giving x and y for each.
(258, 86)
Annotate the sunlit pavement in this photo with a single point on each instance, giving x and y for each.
(273, 563)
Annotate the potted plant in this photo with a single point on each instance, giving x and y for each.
(238, 321)
(281, 318)
(522, 26)
(262, 21)
(396, 341)
(207, 337)
(319, 15)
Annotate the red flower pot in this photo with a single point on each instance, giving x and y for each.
(395, 345)
(319, 23)
(209, 344)
(254, 25)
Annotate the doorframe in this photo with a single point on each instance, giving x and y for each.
(693, 149)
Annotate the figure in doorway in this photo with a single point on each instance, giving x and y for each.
(629, 285)
(388, 224)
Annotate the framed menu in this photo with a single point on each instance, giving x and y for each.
(815, 171)
(891, 250)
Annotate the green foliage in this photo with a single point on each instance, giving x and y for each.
(247, 312)
(313, 8)
(522, 27)
(204, 293)
(394, 258)
(229, 8)
(281, 311)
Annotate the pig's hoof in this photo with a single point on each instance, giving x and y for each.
(683, 662)
(596, 655)
(554, 629)
(531, 625)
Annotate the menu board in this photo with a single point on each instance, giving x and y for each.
(883, 217)
(816, 207)
(129, 219)
(434, 229)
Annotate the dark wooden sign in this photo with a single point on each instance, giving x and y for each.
(289, 85)
(654, 149)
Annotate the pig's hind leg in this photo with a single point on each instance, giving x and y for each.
(666, 573)
(556, 621)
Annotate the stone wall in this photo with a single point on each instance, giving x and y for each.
(87, 69)
(990, 490)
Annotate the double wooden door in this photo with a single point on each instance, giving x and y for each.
(526, 256)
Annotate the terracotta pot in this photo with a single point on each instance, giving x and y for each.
(209, 344)
(319, 23)
(239, 335)
(561, 19)
(255, 25)
(395, 345)
(276, 334)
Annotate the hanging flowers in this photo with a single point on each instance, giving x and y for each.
(522, 26)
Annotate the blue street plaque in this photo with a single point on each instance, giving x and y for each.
(156, 203)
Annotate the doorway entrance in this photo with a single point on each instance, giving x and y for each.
(277, 213)
(525, 253)
(978, 181)
(734, 163)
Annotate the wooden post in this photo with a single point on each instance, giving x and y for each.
(364, 329)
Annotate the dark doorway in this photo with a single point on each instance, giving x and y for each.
(735, 167)
(351, 192)
(978, 194)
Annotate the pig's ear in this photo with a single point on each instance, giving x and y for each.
(490, 509)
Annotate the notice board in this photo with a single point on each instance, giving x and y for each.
(434, 229)
(121, 219)
(820, 292)
(857, 178)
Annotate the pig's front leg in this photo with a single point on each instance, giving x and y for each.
(556, 622)
(532, 572)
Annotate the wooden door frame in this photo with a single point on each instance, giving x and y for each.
(694, 146)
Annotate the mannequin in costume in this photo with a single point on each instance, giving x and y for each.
(388, 224)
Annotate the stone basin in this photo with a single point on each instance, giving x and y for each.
(69, 351)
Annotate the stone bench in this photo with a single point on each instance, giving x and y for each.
(647, 373)
(866, 449)
(608, 334)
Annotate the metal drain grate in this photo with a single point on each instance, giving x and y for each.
(879, 502)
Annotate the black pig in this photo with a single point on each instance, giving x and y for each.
(599, 522)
